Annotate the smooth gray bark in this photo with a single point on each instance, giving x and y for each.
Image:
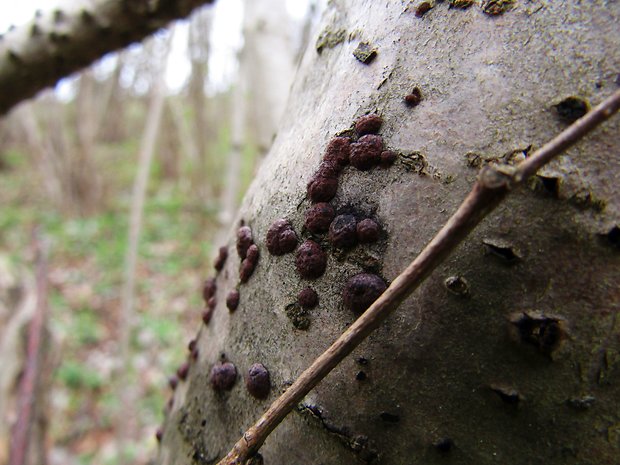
(524, 368)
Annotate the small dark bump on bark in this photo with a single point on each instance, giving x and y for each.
(206, 316)
(343, 232)
(223, 376)
(361, 376)
(244, 241)
(281, 238)
(310, 260)
(208, 289)
(368, 124)
(232, 300)
(183, 371)
(308, 298)
(337, 152)
(322, 187)
(388, 157)
(367, 231)
(362, 290)
(220, 260)
(257, 381)
(319, 217)
(414, 98)
(423, 8)
(173, 382)
(366, 152)
(246, 270)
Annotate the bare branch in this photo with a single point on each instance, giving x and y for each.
(34, 351)
(493, 184)
(65, 40)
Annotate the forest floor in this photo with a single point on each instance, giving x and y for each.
(86, 275)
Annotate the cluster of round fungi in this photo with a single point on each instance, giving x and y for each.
(344, 231)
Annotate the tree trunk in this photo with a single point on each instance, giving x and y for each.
(509, 352)
(267, 67)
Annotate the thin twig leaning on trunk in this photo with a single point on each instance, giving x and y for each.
(28, 384)
(493, 184)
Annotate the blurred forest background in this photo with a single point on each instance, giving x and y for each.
(182, 120)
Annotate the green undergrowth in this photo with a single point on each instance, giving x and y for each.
(86, 260)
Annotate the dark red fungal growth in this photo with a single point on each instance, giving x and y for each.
(248, 265)
(192, 345)
(343, 231)
(368, 124)
(337, 152)
(308, 298)
(366, 152)
(367, 231)
(414, 98)
(246, 270)
(232, 300)
(310, 260)
(281, 238)
(253, 254)
(159, 434)
(223, 376)
(183, 371)
(388, 157)
(257, 381)
(323, 185)
(206, 315)
(244, 241)
(211, 303)
(221, 258)
(362, 290)
(173, 381)
(208, 289)
(319, 217)
(423, 8)
(194, 354)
